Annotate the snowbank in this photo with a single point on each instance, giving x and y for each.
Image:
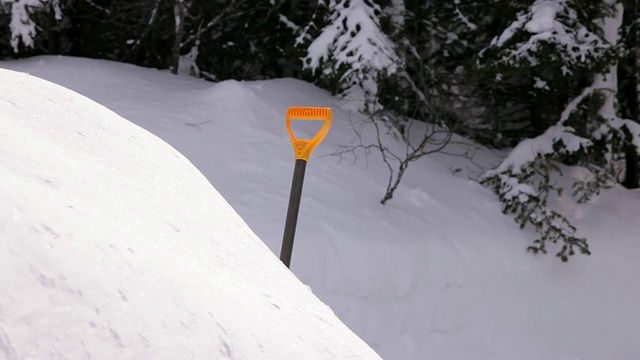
(115, 246)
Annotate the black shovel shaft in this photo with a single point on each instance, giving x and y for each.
(292, 212)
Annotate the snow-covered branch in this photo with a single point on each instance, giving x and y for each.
(353, 47)
(549, 23)
(529, 150)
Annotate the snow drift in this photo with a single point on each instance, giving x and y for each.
(437, 273)
(115, 246)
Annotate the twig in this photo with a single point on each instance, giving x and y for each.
(197, 125)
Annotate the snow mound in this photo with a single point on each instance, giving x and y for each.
(437, 273)
(115, 246)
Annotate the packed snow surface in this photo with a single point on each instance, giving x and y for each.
(437, 273)
(115, 247)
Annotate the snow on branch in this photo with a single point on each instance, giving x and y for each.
(573, 104)
(551, 23)
(624, 128)
(353, 43)
(21, 26)
(353, 36)
(522, 182)
(465, 20)
(529, 150)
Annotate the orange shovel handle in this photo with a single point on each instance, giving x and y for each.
(302, 147)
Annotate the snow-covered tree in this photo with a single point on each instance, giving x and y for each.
(430, 85)
(437, 42)
(180, 12)
(538, 62)
(628, 86)
(23, 29)
(558, 33)
(351, 52)
(558, 29)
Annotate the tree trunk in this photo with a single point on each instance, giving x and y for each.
(180, 14)
(631, 89)
(609, 81)
(631, 177)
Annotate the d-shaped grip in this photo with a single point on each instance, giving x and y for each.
(302, 147)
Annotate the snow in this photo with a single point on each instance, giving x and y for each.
(529, 149)
(397, 12)
(437, 273)
(464, 19)
(23, 30)
(355, 30)
(508, 33)
(540, 84)
(115, 246)
(543, 17)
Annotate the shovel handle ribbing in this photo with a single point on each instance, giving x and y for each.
(302, 147)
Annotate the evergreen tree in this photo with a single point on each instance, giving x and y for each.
(265, 49)
(560, 35)
(25, 33)
(437, 42)
(351, 53)
(629, 85)
(539, 62)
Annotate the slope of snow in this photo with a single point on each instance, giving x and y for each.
(115, 247)
(437, 273)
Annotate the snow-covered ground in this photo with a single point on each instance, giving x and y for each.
(437, 273)
(115, 247)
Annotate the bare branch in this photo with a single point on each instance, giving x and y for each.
(98, 7)
(197, 125)
(386, 126)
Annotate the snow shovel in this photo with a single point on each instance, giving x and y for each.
(303, 149)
